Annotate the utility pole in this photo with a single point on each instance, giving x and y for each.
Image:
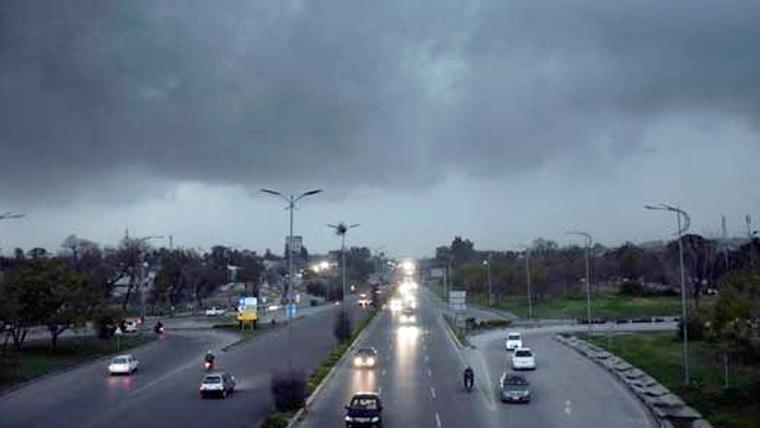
(682, 228)
(487, 264)
(527, 280)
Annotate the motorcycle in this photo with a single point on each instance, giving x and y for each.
(159, 329)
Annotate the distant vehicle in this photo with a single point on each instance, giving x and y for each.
(514, 341)
(364, 410)
(219, 384)
(407, 316)
(514, 388)
(364, 300)
(129, 326)
(214, 312)
(523, 359)
(123, 364)
(365, 357)
(395, 304)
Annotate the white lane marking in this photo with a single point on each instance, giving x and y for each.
(430, 373)
(437, 420)
(383, 373)
(380, 390)
(432, 392)
(568, 408)
(427, 358)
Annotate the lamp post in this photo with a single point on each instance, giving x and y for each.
(341, 229)
(528, 282)
(587, 245)
(487, 264)
(7, 216)
(143, 266)
(682, 227)
(286, 298)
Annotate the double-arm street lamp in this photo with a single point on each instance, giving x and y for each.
(341, 229)
(286, 296)
(587, 245)
(291, 201)
(683, 221)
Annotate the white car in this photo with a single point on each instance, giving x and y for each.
(523, 359)
(123, 364)
(220, 384)
(214, 312)
(514, 341)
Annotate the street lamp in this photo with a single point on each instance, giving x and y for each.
(487, 264)
(143, 266)
(587, 241)
(527, 280)
(682, 228)
(7, 216)
(291, 200)
(341, 229)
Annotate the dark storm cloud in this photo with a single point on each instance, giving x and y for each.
(109, 97)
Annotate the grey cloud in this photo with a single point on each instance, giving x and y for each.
(346, 93)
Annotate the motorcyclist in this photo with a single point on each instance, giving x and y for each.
(469, 378)
(208, 360)
(159, 328)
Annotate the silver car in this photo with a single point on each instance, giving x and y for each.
(219, 384)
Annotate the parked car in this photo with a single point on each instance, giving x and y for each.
(523, 359)
(514, 341)
(364, 410)
(365, 357)
(214, 312)
(220, 384)
(123, 364)
(514, 388)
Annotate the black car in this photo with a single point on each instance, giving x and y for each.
(364, 410)
(514, 388)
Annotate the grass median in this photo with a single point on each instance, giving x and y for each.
(611, 306)
(659, 354)
(37, 358)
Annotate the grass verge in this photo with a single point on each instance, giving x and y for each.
(659, 354)
(460, 334)
(37, 358)
(278, 419)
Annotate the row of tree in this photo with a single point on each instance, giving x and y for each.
(557, 270)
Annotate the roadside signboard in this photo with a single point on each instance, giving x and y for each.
(458, 300)
(248, 309)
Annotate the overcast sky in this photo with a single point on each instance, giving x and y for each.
(499, 121)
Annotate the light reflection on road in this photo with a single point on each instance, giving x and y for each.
(363, 380)
(407, 337)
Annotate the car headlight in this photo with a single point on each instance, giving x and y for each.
(375, 419)
(371, 361)
(357, 361)
(349, 419)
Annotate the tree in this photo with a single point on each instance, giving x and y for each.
(50, 293)
(342, 327)
(699, 261)
(462, 250)
(736, 314)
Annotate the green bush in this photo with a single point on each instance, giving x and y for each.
(277, 420)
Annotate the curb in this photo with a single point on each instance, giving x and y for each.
(665, 408)
(296, 419)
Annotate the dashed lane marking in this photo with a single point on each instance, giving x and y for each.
(437, 420)
(432, 392)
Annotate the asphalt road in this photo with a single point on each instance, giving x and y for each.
(164, 390)
(420, 381)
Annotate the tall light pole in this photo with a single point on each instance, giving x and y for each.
(341, 229)
(682, 228)
(487, 264)
(291, 201)
(7, 216)
(527, 281)
(143, 265)
(587, 245)
(286, 298)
